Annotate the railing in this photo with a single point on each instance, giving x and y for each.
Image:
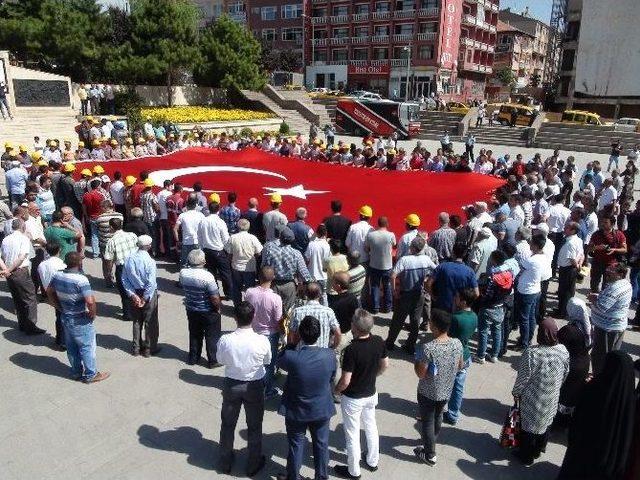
(428, 12)
(466, 41)
(404, 13)
(320, 42)
(380, 39)
(339, 19)
(318, 20)
(357, 40)
(403, 37)
(469, 19)
(428, 36)
(340, 40)
(380, 15)
(398, 62)
(380, 62)
(360, 17)
(358, 63)
(318, 1)
(338, 62)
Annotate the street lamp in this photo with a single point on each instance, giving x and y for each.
(304, 28)
(408, 50)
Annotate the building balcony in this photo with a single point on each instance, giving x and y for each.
(475, 67)
(494, 7)
(339, 19)
(380, 62)
(380, 39)
(360, 40)
(404, 13)
(338, 62)
(319, 1)
(427, 36)
(240, 17)
(469, 20)
(402, 37)
(340, 41)
(360, 17)
(318, 20)
(358, 63)
(381, 15)
(320, 42)
(398, 62)
(428, 12)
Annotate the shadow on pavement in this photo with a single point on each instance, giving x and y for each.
(187, 440)
(113, 342)
(397, 405)
(488, 409)
(538, 470)
(194, 378)
(41, 364)
(171, 352)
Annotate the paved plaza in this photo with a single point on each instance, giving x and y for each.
(158, 418)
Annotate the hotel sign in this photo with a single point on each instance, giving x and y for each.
(451, 17)
(368, 69)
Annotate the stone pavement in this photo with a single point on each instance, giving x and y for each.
(159, 418)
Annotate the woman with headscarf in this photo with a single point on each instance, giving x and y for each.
(633, 465)
(542, 370)
(602, 425)
(576, 337)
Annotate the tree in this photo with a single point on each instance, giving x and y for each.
(164, 42)
(272, 59)
(535, 80)
(230, 57)
(506, 76)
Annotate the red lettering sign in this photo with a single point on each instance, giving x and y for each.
(451, 17)
(368, 69)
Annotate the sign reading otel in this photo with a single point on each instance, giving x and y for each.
(450, 33)
(368, 69)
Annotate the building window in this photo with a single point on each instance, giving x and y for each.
(425, 52)
(381, 30)
(382, 7)
(573, 28)
(319, 12)
(430, 27)
(291, 34)
(255, 10)
(405, 5)
(292, 11)
(568, 57)
(268, 13)
(399, 52)
(320, 55)
(360, 54)
(235, 8)
(380, 53)
(340, 10)
(340, 55)
(360, 31)
(361, 8)
(269, 34)
(404, 29)
(429, 4)
(320, 33)
(342, 32)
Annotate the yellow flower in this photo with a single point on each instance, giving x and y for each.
(191, 114)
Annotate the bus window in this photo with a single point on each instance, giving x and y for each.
(567, 117)
(413, 113)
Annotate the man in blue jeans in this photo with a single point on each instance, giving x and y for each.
(379, 244)
(463, 326)
(70, 293)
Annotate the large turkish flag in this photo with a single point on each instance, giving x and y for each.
(255, 173)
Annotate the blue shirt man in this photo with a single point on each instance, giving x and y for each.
(450, 277)
(16, 179)
(231, 214)
(140, 284)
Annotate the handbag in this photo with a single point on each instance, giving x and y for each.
(510, 435)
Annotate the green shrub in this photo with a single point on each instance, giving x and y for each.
(284, 128)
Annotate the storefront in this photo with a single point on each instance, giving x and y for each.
(373, 78)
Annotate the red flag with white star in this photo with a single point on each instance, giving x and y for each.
(256, 173)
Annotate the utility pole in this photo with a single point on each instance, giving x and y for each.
(408, 50)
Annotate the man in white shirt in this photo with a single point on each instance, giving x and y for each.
(527, 293)
(15, 268)
(317, 253)
(558, 216)
(213, 236)
(244, 248)
(608, 195)
(116, 189)
(358, 232)
(35, 231)
(188, 222)
(162, 196)
(549, 251)
(46, 270)
(570, 260)
(244, 355)
(481, 216)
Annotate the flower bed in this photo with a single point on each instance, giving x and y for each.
(189, 114)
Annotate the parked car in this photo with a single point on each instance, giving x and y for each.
(627, 124)
(457, 107)
(524, 118)
(364, 95)
(319, 91)
(581, 116)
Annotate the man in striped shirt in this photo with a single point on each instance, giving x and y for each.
(202, 302)
(105, 233)
(328, 322)
(116, 251)
(609, 310)
(70, 293)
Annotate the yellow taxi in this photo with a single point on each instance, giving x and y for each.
(457, 107)
(581, 117)
(524, 118)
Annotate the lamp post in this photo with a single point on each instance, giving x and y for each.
(408, 50)
(304, 28)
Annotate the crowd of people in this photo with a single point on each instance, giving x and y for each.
(305, 297)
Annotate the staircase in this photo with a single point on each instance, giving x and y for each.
(499, 135)
(328, 105)
(45, 122)
(297, 124)
(582, 138)
(434, 123)
(318, 108)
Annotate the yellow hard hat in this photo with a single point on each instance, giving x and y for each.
(66, 140)
(317, 142)
(129, 180)
(412, 220)
(129, 140)
(85, 172)
(70, 167)
(369, 143)
(114, 141)
(37, 155)
(214, 198)
(391, 151)
(80, 144)
(96, 143)
(90, 119)
(276, 198)
(98, 169)
(53, 143)
(366, 211)
(148, 183)
(23, 148)
(333, 147)
(141, 141)
(8, 145)
(258, 139)
(42, 163)
(13, 152)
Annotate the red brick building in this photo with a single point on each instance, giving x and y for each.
(360, 44)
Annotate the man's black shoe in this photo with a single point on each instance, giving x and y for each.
(257, 468)
(343, 471)
(36, 331)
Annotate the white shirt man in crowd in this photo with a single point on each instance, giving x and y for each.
(213, 236)
(570, 259)
(244, 249)
(357, 234)
(317, 253)
(188, 223)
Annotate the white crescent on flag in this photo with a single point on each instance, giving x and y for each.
(159, 176)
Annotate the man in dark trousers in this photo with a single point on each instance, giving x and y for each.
(337, 224)
(307, 402)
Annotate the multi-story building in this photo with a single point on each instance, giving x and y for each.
(438, 46)
(600, 64)
(538, 31)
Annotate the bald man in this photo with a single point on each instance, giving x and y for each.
(255, 219)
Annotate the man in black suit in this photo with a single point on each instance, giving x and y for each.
(255, 219)
(307, 402)
(337, 225)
